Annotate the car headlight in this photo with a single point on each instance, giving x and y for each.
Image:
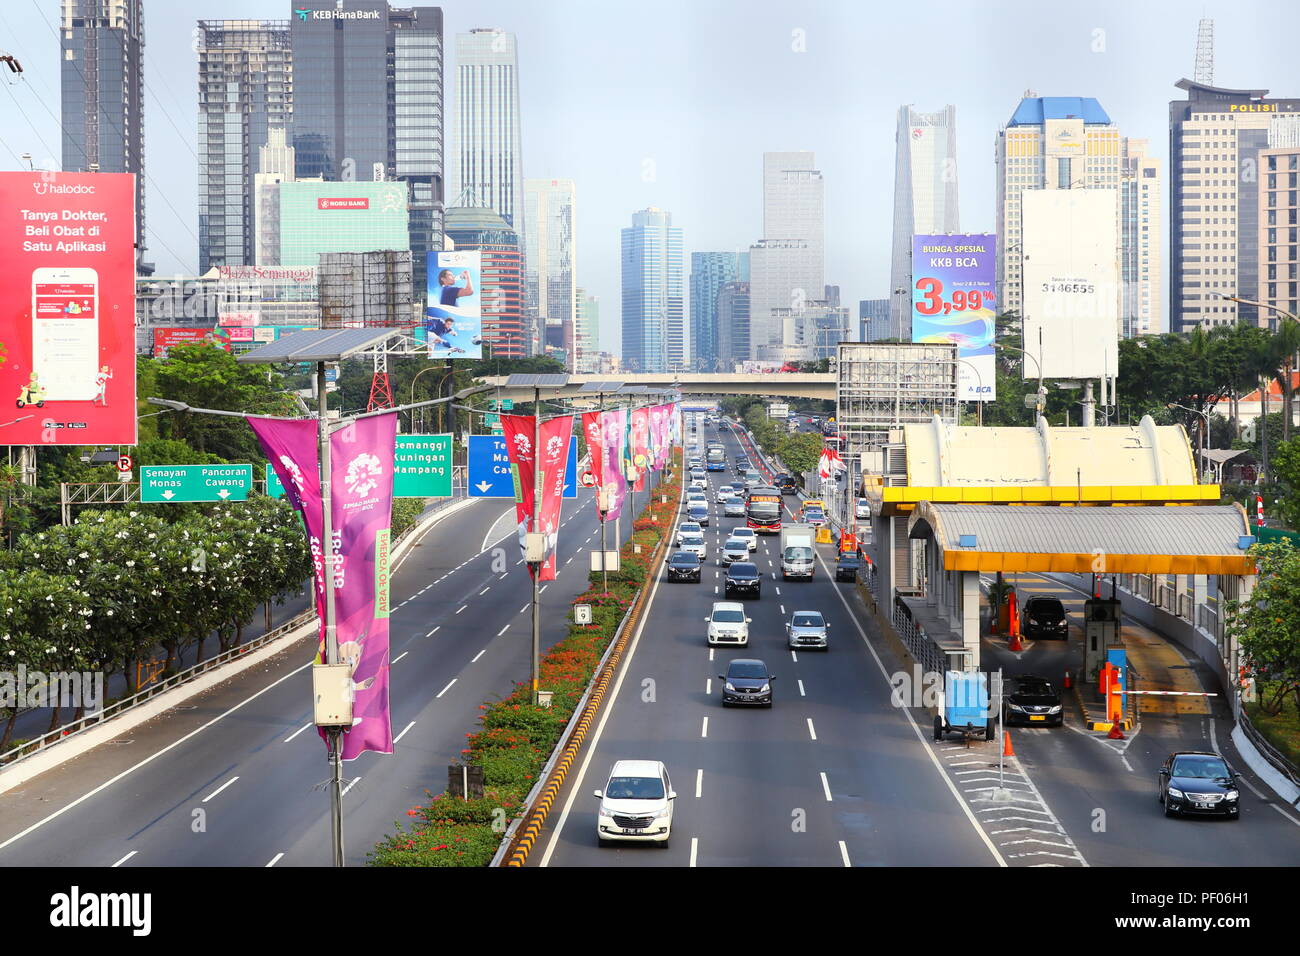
(1055, 710)
(1231, 795)
(765, 688)
(664, 813)
(728, 686)
(1175, 792)
(1016, 707)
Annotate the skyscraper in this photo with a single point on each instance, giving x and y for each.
(1050, 142)
(275, 166)
(709, 272)
(586, 333)
(925, 195)
(787, 266)
(368, 103)
(550, 258)
(501, 276)
(873, 315)
(733, 325)
(490, 166)
(654, 334)
(102, 92)
(245, 91)
(1279, 250)
(1140, 240)
(1216, 138)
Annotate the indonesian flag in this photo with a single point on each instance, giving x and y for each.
(830, 463)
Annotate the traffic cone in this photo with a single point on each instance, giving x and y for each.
(1015, 644)
(1067, 683)
(1007, 749)
(1115, 732)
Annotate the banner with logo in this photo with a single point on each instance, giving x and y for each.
(555, 458)
(518, 433)
(361, 475)
(613, 479)
(591, 428)
(639, 442)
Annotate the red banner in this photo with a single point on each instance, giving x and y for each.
(67, 307)
(591, 427)
(555, 434)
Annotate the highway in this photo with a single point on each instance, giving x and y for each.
(228, 779)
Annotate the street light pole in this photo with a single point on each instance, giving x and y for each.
(1203, 439)
(537, 566)
(1042, 391)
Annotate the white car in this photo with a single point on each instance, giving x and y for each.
(636, 804)
(862, 510)
(728, 624)
(725, 494)
(750, 536)
(694, 543)
(734, 549)
(696, 497)
(688, 527)
(701, 483)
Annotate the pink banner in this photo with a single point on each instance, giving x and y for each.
(591, 428)
(361, 478)
(639, 445)
(613, 480)
(518, 433)
(556, 434)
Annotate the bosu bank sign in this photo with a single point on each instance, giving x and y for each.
(67, 308)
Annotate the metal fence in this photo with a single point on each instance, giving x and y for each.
(923, 650)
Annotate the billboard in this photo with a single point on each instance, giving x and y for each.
(453, 313)
(67, 308)
(166, 338)
(954, 299)
(1071, 300)
(357, 216)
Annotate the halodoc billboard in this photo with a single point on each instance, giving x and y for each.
(954, 299)
(1071, 300)
(67, 308)
(453, 312)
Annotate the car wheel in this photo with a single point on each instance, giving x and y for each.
(938, 728)
(1169, 812)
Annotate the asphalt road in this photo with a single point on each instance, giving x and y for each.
(832, 775)
(230, 778)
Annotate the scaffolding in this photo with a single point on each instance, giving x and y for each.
(366, 289)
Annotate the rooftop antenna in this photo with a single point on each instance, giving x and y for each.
(1204, 72)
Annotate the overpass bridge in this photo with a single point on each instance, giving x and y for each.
(819, 385)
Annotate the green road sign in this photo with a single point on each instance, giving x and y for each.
(421, 468)
(503, 404)
(174, 483)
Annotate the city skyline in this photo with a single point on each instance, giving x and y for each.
(846, 115)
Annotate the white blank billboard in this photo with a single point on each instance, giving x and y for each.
(1071, 281)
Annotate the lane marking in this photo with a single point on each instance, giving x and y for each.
(708, 687)
(504, 575)
(525, 607)
(699, 782)
(462, 607)
(474, 659)
(499, 633)
(704, 730)
(695, 843)
(794, 657)
(351, 783)
(296, 733)
(220, 788)
(811, 730)
(398, 657)
(783, 610)
(404, 730)
(826, 787)
(274, 860)
(801, 693)
(445, 689)
(433, 632)
(124, 859)
(485, 590)
(844, 853)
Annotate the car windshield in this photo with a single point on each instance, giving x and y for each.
(745, 533)
(1201, 766)
(808, 620)
(686, 527)
(743, 571)
(684, 557)
(799, 554)
(764, 509)
(731, 616)
(813, 513)
(1035, 687)
(635, 788)
(747, 670)
(849, 559)
(1049, 609)
(737, 544)
(692, 539)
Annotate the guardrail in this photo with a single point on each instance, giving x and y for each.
(1275, 757)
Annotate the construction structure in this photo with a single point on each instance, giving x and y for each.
(366, 289)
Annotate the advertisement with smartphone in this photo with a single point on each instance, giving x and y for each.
(67, 308)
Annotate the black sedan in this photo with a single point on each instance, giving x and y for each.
(1193, 783)
(747, 681)
(786, 484)
(1045, 617)
(743, 578)
(1032, 700)
(848, 566)
(683, 566)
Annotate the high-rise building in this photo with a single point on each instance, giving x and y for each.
(1141, 259)
(873, 316)
(1216, 138)
(733, 325)
(102, 94)
(275, 166)
(925, 195)
(654, 333)
(1279, 252)
(550, 258)
(709, 272)
(586, 333)
(490, 165)
(245, 92)
(501, 276)
(787, 266)
(368, 104)
(1051, 142)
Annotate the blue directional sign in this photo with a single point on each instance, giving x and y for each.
(489, 468)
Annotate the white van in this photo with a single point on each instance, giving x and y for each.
(728, 624)
(636, 804)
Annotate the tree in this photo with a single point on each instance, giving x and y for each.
(1267, 624)
(1283, 348)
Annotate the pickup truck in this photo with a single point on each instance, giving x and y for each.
(797, 551)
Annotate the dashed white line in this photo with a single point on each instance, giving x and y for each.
(474, 659)
(708, 687)
(525, 608)
(782, 609)
(844, 853)
(219, 789)
(462, 607)
(794, 657)
(433, 632)
(826, 787)
(404, 730)
(695, 843)
(502, 631)
(296, 732)
(801, 693)
(124, 859)
(274, 860)
(351, 783)
(811, 732)
(699, 782)
(445, 689)
(704, 730)
(399, 657)
(504, 575)
(485, 590)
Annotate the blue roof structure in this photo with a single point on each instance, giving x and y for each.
(1033, 110)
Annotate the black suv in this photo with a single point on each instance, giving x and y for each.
(683, 566)
(1032, 700)
(848, 566)
(743, 578)
(747, 681)
(1045, 617)
(786, 484)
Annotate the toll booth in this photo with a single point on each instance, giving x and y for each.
(1101, 620)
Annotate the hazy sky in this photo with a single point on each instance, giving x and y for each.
(672, 103)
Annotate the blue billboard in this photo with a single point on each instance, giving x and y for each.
(453, 312)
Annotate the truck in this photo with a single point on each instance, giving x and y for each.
(797, 551)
